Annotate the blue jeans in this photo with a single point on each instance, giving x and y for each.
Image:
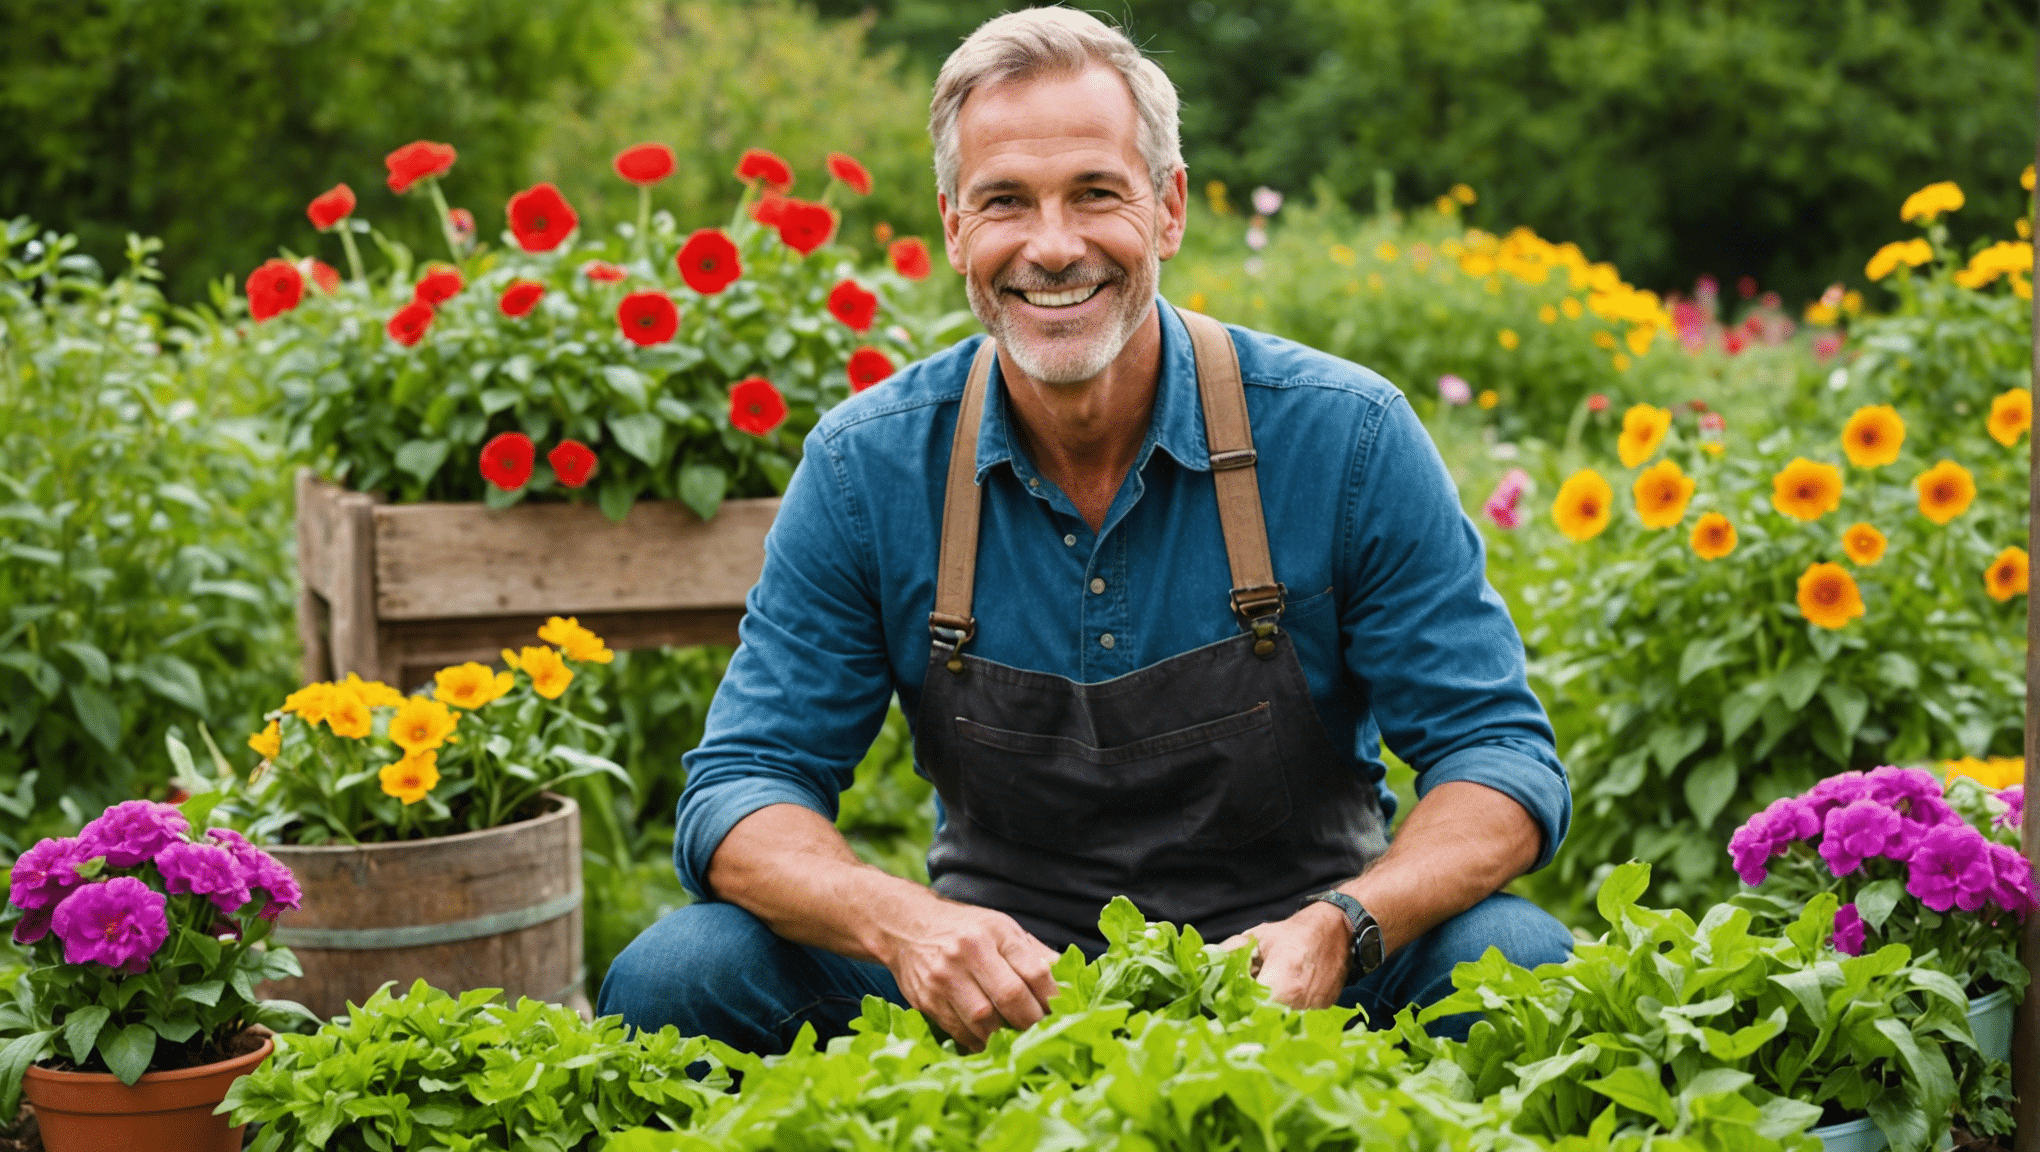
(716, 970)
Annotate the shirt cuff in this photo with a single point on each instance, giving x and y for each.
(1539, 786)
(706, 818)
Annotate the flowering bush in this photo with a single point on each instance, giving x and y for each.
(146, 933)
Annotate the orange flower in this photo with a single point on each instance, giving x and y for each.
(1643, 429)
(1805, 490)
(1661, 494)
(373, 693)
(422, 724)
(577, 642)
(1828, 595)
(549, 674)
(1995, 773)
(470, 685)
(1945, 491)
(1863, 544)
(348, 715)
(1872, 436)
(1713, 536)
(1583, 505)
(309, 702)
(268, 742)
(2006, 576)
(2011, 415)
(412, 777)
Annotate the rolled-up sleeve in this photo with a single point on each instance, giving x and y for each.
(1431, 639)
(807, 689)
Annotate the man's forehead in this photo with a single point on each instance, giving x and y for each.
(1083, 124)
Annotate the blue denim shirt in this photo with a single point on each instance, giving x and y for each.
(1400, 636)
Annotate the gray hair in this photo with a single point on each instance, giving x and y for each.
(1053, 41)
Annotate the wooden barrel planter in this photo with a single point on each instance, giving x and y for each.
(500, 908)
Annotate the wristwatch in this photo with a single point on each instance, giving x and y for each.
(1364, 955)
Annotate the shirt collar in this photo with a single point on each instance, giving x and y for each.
(1176, 426)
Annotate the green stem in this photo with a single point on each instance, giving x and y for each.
(353, 253)
(742, 214)
(445, 218)
(644, 222)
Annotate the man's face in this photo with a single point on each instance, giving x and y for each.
(1055, 227)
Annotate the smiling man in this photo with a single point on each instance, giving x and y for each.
(1153, 592)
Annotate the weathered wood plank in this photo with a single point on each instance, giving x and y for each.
(352, 597)
(316, 520)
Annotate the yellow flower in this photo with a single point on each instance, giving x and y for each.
(2006, 576)
(549, 674)
(2026, 178)
(1912, 253)
(348, 715)
(1583, 505)
(1639, 338)
(1996, 773)
(1828, 595)
(373, 693)
(1571, 307)
(1214, 191)
(1821, 314)
(2011, 415)
(1477, 264)
(1872, 436)
(577, 642)
(2004, 258)
(1863, 544)
(1643, 429)
(1945, 491)
(470, 685)
(1605, 340)
(1713, 447)
(1341, 254)
(422, 724)
(1852, 302)
(1508, 339)
(1196, 301)
(268, 742)
(1620, 360)
(1447, 206)
(1929, 202)
(1805, 490)
(412, 777)
(1386, 252)
(309, 702)
(1463, 194)
(1662, 491)
(2023, 227)
(1488, 398)
(1548, 314)
(1713, 536)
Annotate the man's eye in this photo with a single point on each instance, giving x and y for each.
(1002, 202)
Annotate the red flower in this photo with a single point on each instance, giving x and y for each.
(805, 226)
(647, 318)
(758, 164)
(418, 160)
(323, 275)
(853, 305)
(572, 461)
(440, 283)
(1733, 341)
(506, 460)
(910, 258)
(520, 297)
(1597, 403)
(602, 271)
(462, 222)
(540, 218)
(645, 164)
(770, 209)
(708, 261)
(756, 406)
(408, 326)
(868, 366)
(273, 288)
(850, 172)
(331, 207)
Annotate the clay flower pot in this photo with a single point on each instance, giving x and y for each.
(162, 1112)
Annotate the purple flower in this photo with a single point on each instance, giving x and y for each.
(1859, 830)
(133, 831)
(2013, 890)
(1501, 506)
(1767, 834)
(206, 870)
(1890, 785)
(1951, 867)
(263, 872)
(2014, 800)
(45, 872)
(1835, 791)
(119, 923)
(1454, 390)
(1849, 930)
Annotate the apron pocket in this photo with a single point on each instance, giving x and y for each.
(1213, 785)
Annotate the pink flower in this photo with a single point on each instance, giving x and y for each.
(1453, 390)
(119, 923)
(1501, 505)
(2014, 800)
(1267, 201)
(1860, 830)
(2014, 887)
(44, 873)
(1826, 346)
(1951, 867)
(1849, 930)
(1769, 833)
(133, 831)
(206, 870)
(264, 873)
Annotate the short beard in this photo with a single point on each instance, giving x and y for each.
(1068, 359)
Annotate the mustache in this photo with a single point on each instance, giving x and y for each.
(1037, 279)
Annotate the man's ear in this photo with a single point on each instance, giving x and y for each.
(1175, 212)
(952, 225)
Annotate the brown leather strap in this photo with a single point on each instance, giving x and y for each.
(1255, 593)
(956, 571)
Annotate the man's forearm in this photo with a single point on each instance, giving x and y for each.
(1462, 842)
(791, 868)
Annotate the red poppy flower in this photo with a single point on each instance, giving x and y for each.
(850, 172)
(645, 164)
(541, 218)
(418, 160)
(805, 226)
(708, 261)
(273, 288)
(853, 305)
(520, 297)
(408, 326)
(910, 258)
(507, 459)
(758, 164)
(602, 271)
(770, 209)
(440, 283)
(331, 207)
(868, 366)
(323, 275)
(756, 406)
(647, 318)
(1597, 403)
(572, 462)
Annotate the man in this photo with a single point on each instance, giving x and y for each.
(1152, 591)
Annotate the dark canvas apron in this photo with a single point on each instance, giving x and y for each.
(1203, 786)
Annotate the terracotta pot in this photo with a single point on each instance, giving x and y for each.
(162, 1112)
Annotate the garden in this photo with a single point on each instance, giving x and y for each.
(345, 676)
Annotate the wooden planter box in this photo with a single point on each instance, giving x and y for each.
(396, 592)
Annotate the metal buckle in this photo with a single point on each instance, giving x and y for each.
(1262, 603)
(1224, 461)
(951, 634)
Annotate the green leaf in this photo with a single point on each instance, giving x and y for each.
(702, 487)
(1701, 654)
(629, 384)
(128, 1052)
(1621, 889)
(97, 714)
(1670, 746)
(1898, 670)
(1797, 684)
(1740, 709)
(641, 434)
(1639, 1091)
(15, 1058)
(173, 680)
(81, 1030)
(90, 659)
(422, 458)
(1876, 900)
(206, 992)
(1849, 704)
(1710, 786)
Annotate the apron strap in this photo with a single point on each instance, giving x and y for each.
(1256, 598)
(956, 572)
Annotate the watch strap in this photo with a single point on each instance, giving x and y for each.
(1364, 954)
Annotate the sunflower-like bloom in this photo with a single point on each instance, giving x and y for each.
(309, 702)
(268, 742)
(2006, 576)
(373, 693)
(579, 644)
(1805, 490)
(1872, 436)
(1828, 595)
(1583, 505)
(1662, 491)
(1945, 491)
(2011, 416)
(1713, 536)
(1929, 202)
(1643, 429)
(412, 777)
(1911, 253)
(348, 714)
(549, 674)
(422, 724)
(470, 685)
(1863, 544)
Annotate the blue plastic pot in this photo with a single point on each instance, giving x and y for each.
(1990, 1017)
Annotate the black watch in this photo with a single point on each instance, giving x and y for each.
(1364, 955)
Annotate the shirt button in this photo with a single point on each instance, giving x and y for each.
(1105, 641)
(1034, 481)
(1070, 541)
(1097, 586)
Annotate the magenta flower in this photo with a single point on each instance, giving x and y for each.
(206, 870)
(133, 831)
(263, 872)
(1859, 830)
(2014, 800)
(1849, 930)
(1890, 785)
(119, 923)
(46, 872)
(2013, 890)
(1454, 390)
(1837, 790)
(1951, 868)
(1769, 833)
(1501, 505)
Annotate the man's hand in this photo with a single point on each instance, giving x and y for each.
(1302, 960)
(972, 970)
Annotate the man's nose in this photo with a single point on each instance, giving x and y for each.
(1055, 242)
